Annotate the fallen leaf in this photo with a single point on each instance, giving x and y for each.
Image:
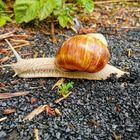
(58, 83)
(9, 111)
(117, 108)
(50, 110)
(33, 100)
(35, 112)
(10, 95)
(39, 110)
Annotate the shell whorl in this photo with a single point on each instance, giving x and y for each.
(82, 53)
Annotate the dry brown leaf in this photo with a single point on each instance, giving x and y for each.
(50, 110)
(39, 110)
(35, 112)
(10, 95)
(9, 111)
(58, 83)
(33, 100)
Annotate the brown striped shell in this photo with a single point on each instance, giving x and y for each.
(82, 53)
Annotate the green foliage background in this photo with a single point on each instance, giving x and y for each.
(28, 10)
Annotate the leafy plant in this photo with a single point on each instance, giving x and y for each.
(63, 10)
(4, 17)
(28, 10)
(64, 89)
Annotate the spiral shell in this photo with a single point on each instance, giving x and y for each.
(83, 53)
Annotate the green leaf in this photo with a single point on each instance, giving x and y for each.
(2, 6)
(26, 10)
(4, 19)
(64, 19)
(88, 4)
(64, 88)
(46, 8)
(58, 3)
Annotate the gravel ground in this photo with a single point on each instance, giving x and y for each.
(97, 110)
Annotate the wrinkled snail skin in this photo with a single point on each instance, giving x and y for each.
(47, 67)
(82, 53)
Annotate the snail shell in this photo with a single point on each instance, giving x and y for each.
(85, 53)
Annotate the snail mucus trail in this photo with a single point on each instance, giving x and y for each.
(46, 67)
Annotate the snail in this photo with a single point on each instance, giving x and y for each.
(79, 57)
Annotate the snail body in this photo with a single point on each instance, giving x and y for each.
(64, 66)
(82, 53)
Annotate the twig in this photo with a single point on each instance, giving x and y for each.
(58, 83)
(2, 119)
(10, 95)
(39, 110)
(54, 40)
(7, 65)
(59, 100)
(21, 36)
(6, 35)
(19, 41)
(62, 98)
(110, 1)
(35, 112)
(64, 35)
(36, 134)
(9, 111)
(45, 32)
(4, 59)
(19, 46)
